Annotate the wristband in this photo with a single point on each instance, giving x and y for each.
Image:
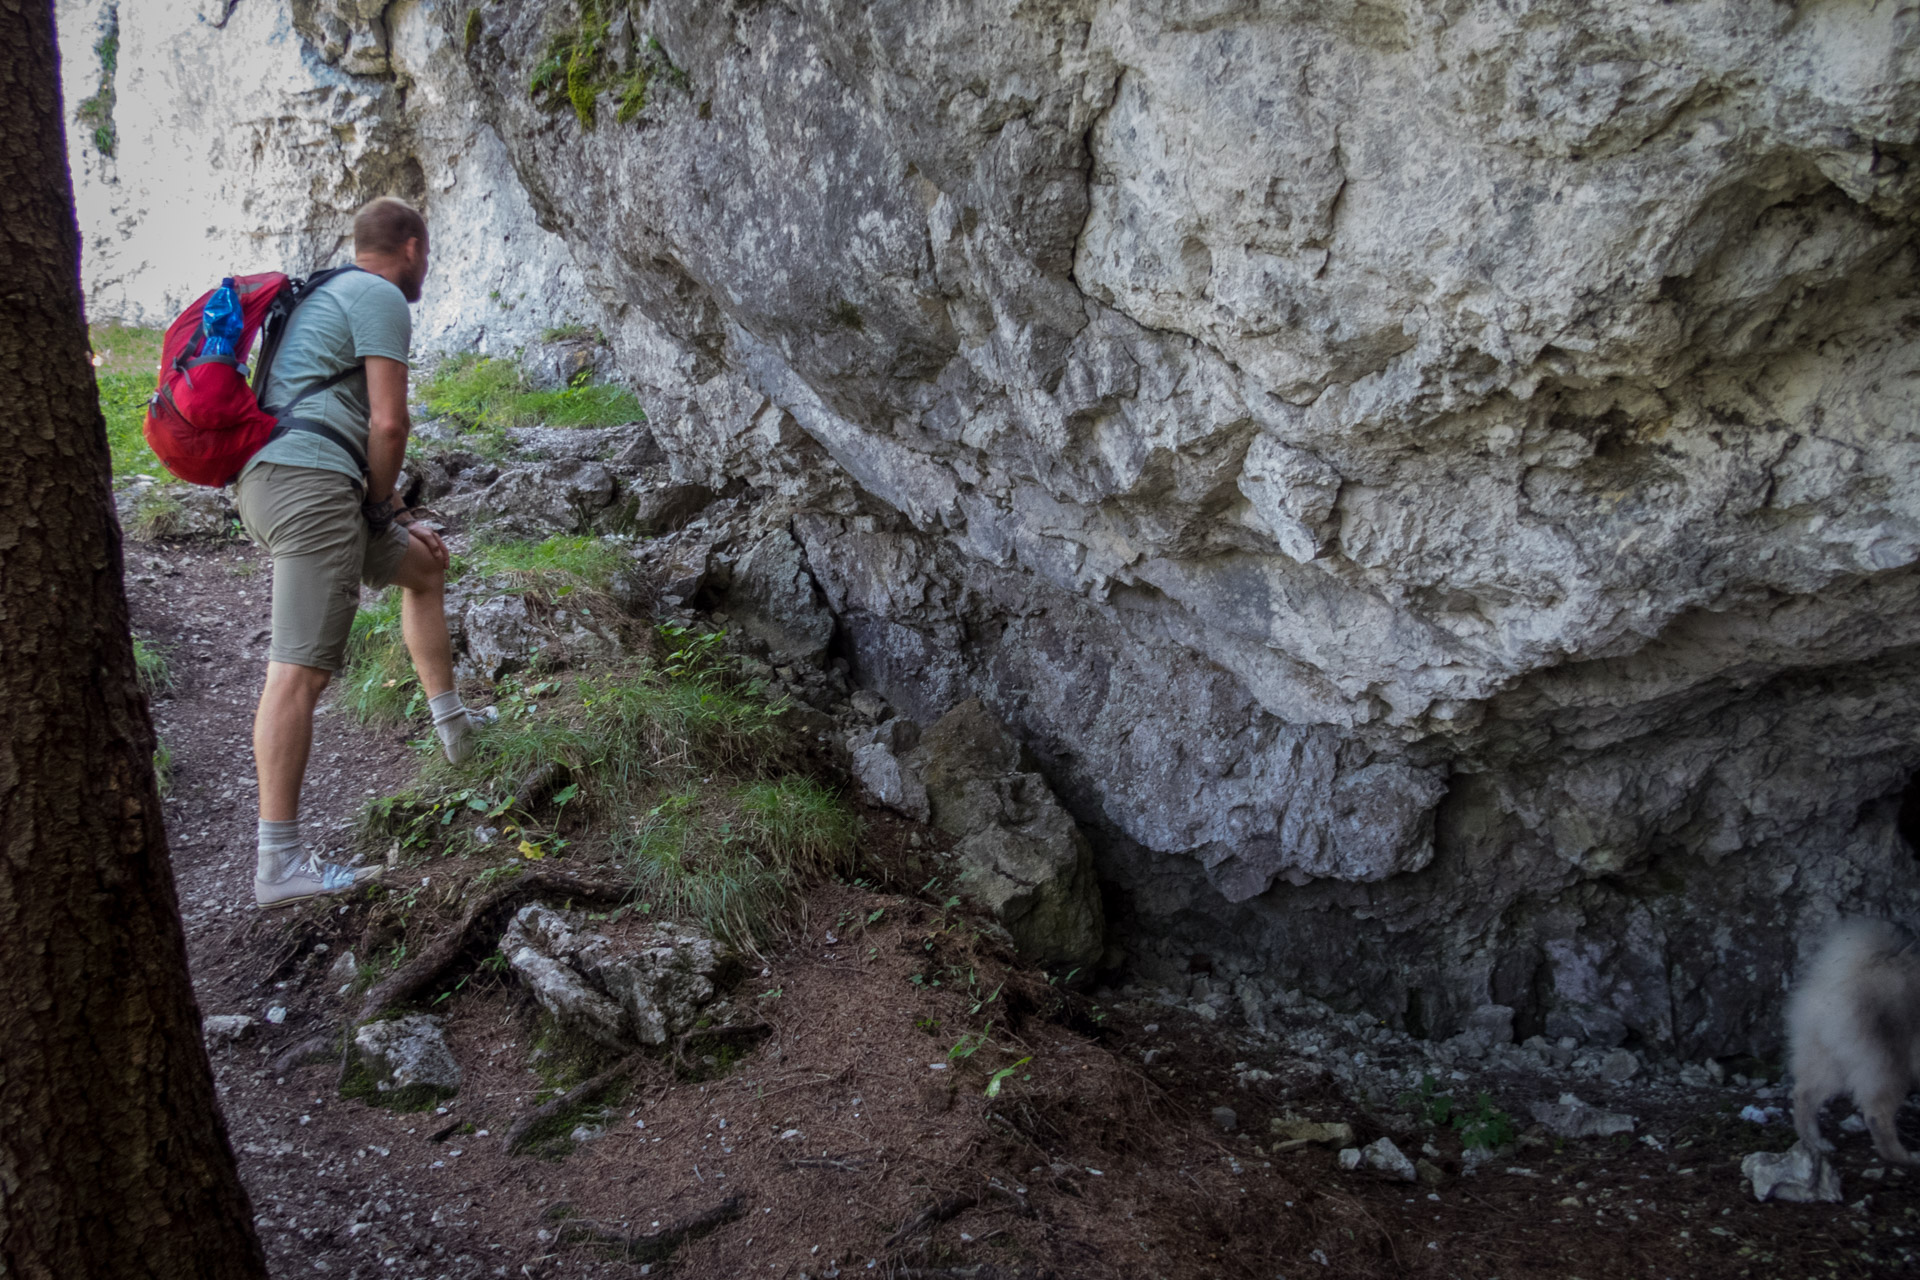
(380, 514)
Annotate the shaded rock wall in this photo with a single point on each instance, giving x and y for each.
(1433, 482)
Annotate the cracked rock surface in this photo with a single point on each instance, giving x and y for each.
(1430, 484)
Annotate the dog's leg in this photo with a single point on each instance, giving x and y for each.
(1880, 1107)
(1808, 1098)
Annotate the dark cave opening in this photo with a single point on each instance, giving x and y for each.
(1907, 822)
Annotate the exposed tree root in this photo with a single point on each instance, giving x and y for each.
(522, 1129)
(655, 1246)
(483, 920)
(930, 1217)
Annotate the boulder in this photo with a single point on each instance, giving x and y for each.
(634, 984)
(1020, 853)
(499, 636)
(537, 500)
(407, 1055)
(775, 601)
(1795, 1175)
(149, 509)
(887, 782)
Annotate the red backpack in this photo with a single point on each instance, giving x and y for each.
(204, 421)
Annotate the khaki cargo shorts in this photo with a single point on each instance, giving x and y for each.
(310, 523)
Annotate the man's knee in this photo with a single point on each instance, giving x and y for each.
(290, 680)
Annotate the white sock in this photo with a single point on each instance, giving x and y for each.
(280, 850)
(452, 723)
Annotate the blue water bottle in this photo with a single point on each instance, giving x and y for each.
(221, 321)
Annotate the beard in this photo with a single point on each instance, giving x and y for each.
(410, 283)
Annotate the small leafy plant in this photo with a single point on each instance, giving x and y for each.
(1481, 1125)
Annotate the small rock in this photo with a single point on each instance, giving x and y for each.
(882, 776)
(228, 1027)
(1349, 1157)
(277, 1014)
(1696, 1076)
(1226, 1118)
(408, 1051)
(1572, 1118)
(1796, 1176)
(868, 705)
(1428, 1173)
(345, 969)
(1384, 1156)
(1328, 1133)
(1619, 1066)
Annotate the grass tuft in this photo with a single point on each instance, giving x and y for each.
(379, 686)
(487, 396)
(151, 666)
(157, 514)
(798, 823)
(557, 566)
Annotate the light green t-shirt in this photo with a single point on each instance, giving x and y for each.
(352, 316)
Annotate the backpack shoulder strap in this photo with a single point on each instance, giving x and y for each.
(275, 328)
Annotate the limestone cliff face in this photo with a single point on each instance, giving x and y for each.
(244, 136)
(1434, 482)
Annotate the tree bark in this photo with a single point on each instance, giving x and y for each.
(114, 1160)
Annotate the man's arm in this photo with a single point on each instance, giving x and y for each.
(387, 425)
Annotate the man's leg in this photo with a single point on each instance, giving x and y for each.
(423, 617)
(283, 736)
(309, 521)
(422, 579)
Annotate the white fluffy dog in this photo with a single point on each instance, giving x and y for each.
(1854, 1026)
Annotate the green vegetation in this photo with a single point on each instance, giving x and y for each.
(123, 402)
(358, 1084)
(1481, 1125)
(580, 65)
(472, 33)
(556, 567)
(486, 396)
(162, 767)
(575, 332)
(157, 514)
(665, 763)
(126, 364)
(98, 109)
(379, 686)
(152, 668)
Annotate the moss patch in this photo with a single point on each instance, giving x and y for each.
(97, 110)
(581, 63)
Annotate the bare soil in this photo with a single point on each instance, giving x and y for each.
(852, 1139)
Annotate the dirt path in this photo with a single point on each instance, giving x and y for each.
(850, 1142)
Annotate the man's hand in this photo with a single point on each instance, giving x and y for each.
(431, 541)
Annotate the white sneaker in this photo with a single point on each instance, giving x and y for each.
(309, 879)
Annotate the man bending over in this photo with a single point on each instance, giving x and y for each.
(330, 526)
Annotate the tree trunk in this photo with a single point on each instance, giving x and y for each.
(113, 1157)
